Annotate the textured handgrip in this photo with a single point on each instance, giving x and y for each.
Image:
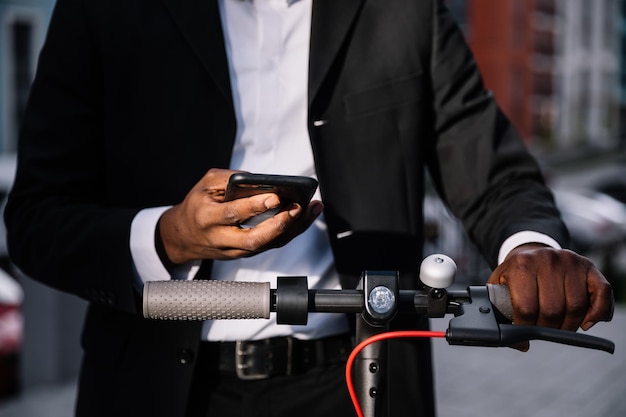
(206, 300)
(501, 300)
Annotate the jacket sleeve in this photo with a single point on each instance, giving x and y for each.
(62, 230)
(479, 164)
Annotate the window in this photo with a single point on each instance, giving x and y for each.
(19, 30)
(585, 24)
(458, 9)
(20, 56)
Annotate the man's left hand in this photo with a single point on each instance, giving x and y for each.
(554, 288)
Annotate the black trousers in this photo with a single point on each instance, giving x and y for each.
(319, 392)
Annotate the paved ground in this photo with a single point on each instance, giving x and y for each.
(548, 381)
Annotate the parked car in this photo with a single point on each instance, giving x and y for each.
(614, 186)
(7, 174)
(11, 297)
(595, 220)
(11, 331)
(444, 234)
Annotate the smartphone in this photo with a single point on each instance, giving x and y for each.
(289, 188)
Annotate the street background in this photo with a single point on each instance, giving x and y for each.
(557, 69)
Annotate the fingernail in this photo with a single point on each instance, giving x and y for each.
(271, 202)
(295, 210)
(588, 325)
(317, 209)
(522, 346)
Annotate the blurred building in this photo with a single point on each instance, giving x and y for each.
(23, 24)
(558, 70)
(514, 44)
(622, 75)
(588, 73)
(553, 65)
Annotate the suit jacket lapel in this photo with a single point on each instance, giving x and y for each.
(200, 23)
(331, 22)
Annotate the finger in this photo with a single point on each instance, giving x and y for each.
(238, 211)
(306, 217)
(601, 300)
(552, 300)
(291, 223)
(214, 183)
(576, 303)
(522, 290)
(524, 297)
(271, 233)
(311, 212)
(521, 346)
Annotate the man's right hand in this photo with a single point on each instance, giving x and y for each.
(203, 226)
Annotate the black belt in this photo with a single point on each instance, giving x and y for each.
(260, 359)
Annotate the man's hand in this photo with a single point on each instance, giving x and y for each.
(554, 288)
(203, 226)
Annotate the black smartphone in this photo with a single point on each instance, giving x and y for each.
(289, 188)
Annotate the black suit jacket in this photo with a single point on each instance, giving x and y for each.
(132, 104)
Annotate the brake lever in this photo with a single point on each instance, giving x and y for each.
(511, 334)
(476, 323)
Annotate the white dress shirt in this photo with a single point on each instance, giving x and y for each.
(267, 44)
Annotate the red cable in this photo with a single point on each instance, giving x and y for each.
(376, 338)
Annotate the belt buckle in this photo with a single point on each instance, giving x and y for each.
(254, 360)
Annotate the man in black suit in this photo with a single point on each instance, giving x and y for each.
(139, 110)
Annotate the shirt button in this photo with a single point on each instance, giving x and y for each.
(184, 356)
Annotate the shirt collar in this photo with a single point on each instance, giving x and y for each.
(273, 3)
